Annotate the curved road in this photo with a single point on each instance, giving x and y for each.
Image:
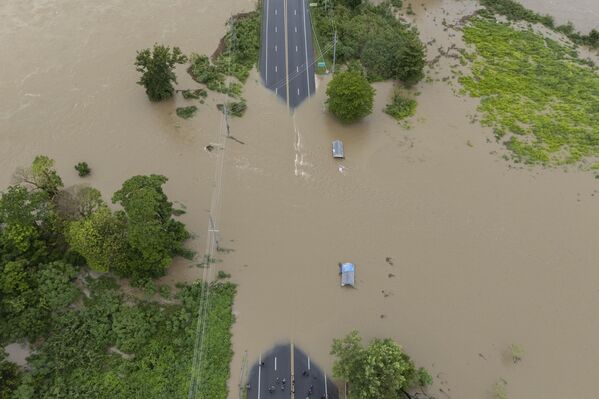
(286, 53)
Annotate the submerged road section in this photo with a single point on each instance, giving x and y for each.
(286, 53)
(287, 372)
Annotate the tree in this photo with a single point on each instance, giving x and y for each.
(10, 376)
(41, 176)
(23, 214)
(410, 61)
(100, 238)
(157, 69)
(153, 236)
(380, 371)
(350, 96)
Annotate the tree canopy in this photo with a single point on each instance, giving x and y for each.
(157, 69)
(153, 236)
(382, 370)
(350, 96)
(387, 47)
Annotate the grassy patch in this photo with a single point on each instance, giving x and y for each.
(186, 112)
(534, 92)
(401, 107)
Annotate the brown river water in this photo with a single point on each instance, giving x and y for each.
(482, 254)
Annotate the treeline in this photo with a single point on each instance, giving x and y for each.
(515, 11)
(77, 324)
(372, 38)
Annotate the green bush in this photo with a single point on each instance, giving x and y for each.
(186, 112)
(194, 94)
(401, 107)
(83, 169)
(234, 108)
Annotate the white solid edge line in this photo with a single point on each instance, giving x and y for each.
(259, 368)
(275, 363)
(266, 51)
(326, 392)
(306, 48)
(308, 356)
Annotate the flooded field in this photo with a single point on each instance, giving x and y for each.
(459, 254)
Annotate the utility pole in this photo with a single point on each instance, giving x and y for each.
(334, 50)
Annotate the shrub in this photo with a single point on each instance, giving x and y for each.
(186, 112)
(83, 169)
(194, 94)
(401, 107)
(234, 108)
(221, 274)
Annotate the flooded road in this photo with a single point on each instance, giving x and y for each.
(458, 254)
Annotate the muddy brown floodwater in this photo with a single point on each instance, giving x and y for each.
(459, 254)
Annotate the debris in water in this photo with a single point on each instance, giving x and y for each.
(389, 260)
(209, 148)
(341, 168)
(390, 275)
(383, 316)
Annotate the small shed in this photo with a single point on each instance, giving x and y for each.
(338, 149)
(347, 272)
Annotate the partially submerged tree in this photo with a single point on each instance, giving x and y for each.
(157, 69)
(153, 236)
(382, 370)
(350, 96)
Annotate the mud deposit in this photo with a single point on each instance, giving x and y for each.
(459, 254)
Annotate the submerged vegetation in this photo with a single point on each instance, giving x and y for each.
(514, 11)
(157, 70)
(235, 108)
(89, 339)
(380, 370)
(186, 112)
(401, 107)
(536, 94)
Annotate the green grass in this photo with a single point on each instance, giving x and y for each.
(186, 112)
(235, 108)
(534, 92)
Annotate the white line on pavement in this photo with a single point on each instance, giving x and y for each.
(296, 48)
(306, 48)
(275, 363)
(326, 393)
(276, 29)
(276, 68)
(275, 48)
(266, 59)
(259, 374)
(308, 362)
(298, 91)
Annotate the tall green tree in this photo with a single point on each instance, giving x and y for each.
(153, 236)
(379, 371)
(350, 96)
(157, 68)
(410, 60)
(100, 238)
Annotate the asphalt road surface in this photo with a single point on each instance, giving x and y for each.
(271, 377)
(286, 53)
